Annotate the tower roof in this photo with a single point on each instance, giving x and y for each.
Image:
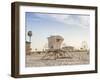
(56, 36)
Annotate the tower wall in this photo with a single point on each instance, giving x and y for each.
(54, 42)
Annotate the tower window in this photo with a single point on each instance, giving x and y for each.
(57, 40)
(51, 46)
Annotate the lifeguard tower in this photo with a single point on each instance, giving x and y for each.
(54, 48)
(54, 42)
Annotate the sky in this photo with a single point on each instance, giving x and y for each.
(74, 28)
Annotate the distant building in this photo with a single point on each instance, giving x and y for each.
(54, 42)
(68, 48)
(28, 48)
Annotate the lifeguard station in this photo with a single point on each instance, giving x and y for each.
(54, 48)
(54, 42)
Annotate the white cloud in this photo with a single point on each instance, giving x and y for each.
(78, 20)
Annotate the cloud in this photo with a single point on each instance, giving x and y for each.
(72, 20)
(82, 21)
